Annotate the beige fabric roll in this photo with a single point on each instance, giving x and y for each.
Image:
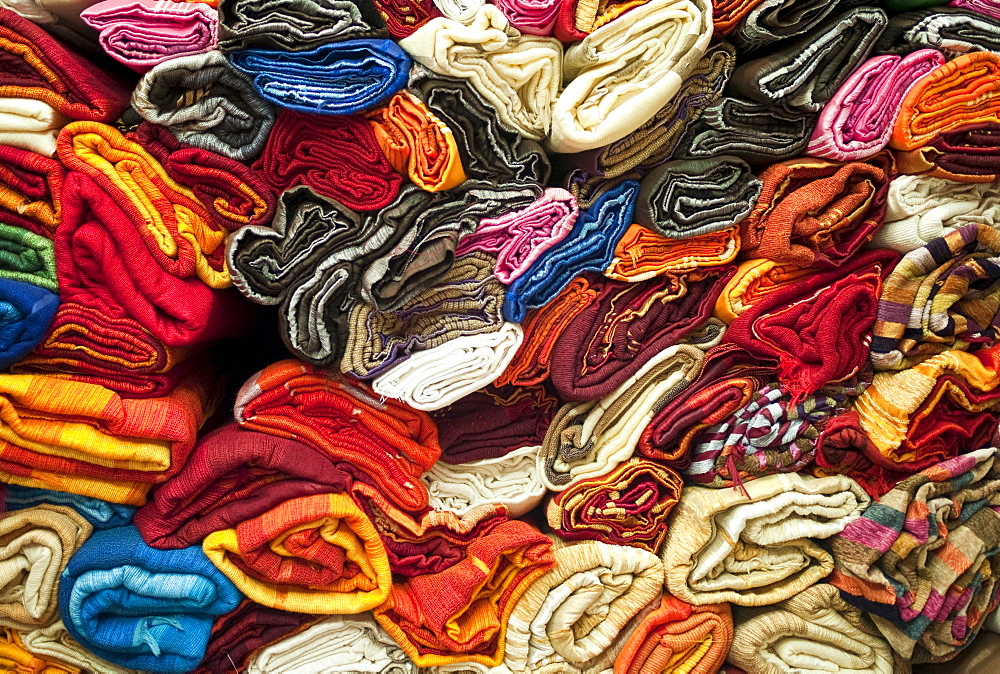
(577, 616)
(35, 546)
(815, 631)
(55, 643)
(30, 125)
(752, 546)
(512, 480)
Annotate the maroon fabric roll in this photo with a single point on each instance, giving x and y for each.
(968, 154)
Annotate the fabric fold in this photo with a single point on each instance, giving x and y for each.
(970, 153)
(952, 30)
(295, 26)
(512, 480)
(55, 643)
(30, 191)
(238, 636)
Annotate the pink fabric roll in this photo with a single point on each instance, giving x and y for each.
(857, 122)
(990, 8)
(534, 17)
(143, 33)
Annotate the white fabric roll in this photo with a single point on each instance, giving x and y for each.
(463, 11)
(30, 125)
(512, 480)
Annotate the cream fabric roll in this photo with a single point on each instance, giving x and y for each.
(30, 125)
(752, 546)
(620, 75)
(813, 632)
(435, 378)
(577, 616)
(463, 11)
(56, 643)
(519, 75)
(512, 480)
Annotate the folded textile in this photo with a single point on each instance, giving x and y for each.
(30, 125)
(678, 636)
(727, 14)
(806, 74)
(512, 480)
(403, 17)
(27, 258)
(576, 617)
(60, 18)
(206, 103)
(532, 17)
(986, 7)
(35, 546)
(945, 295)
(238, 636)
(459, 10)
(923, 560)
(142, 608)
(517, 75)
(642, 254)
(294, 25)
(439, 376)
(815, 630)
(101, 514)
(335, 644)
(53, 643)
(763, 22)
(26, 311)
(965, 90)
(627, 506)
(968, 154)
(951, 30)
(30, 191)
(616, 81)
(16, 658)
(143, 33)
(337, 78)
(714, 533)
(755, 280)
(816, 211)
(857, 122)
(417, 143)
(577, 19)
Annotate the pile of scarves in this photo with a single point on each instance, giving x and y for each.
(507, 337)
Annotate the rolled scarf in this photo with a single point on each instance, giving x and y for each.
(588, 440)
(816, 211)
(335, 644)
(967, 154)
(945, 295)
(986, 7)
(771, 520)
(680, 636)
(755, 132)
(30, 191)
(806, 74)
(922, 560)
(16, 658)
(628, 506)
(26, 311)
(642, 254)
(142, 608)
(532, 17)
(207, 103)
(965, 90)
(437, 377)
(755, 280)
(338, 78)
(768, 21)
(576, 617)
(463, 613)
(517, 75)
(512, 480)
(815, 630)
(493, 422)
(616, 82)
(35, 546)
(687, 198)
(951, 30)
(520, 237)
(337, 156)
(390, 444)
(403, 17)
(858, 120)
(54, 644)
(294, 25)
(417, 143)
(238, 636)
(143, 33)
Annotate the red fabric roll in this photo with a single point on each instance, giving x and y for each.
(30, 190)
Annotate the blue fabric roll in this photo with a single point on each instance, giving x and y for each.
(590, 246)
(336, 79)
(140, 607)
(26, 312)
(101, 514)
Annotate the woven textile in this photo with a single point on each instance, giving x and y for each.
(294, 26)
(967, 154)
(99, 513)
(60, 649)
(512, 480)
(30, 190)
(953, 31)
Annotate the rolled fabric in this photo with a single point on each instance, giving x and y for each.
(968, 154)
(459, 10)
(642, 254)
(922, 560)
(207, 103)
(30, 125)
(576, 617)
(817, 212)
(976, 656)
(963, 91)
(143, 33)
(806, 74)
(16, 658)
(816, 627)
(403, 17)
(772, 520)
(578, 19)
(417, 143)
(590, 439)
(437, 377)
(55, 644)
(617, 82)
(756, 133)
(35, 546)
(337, 156)
(939, 297)
(142, 608)
(26, 311)
(687, 198)
(951, 30)
(338, 78)
(294, 25)
(769, 21)
(392, 444)
(100, 514)
(30, 191)
(335, 644)
(512, 480)
(755, 280)
(986, 7)
(677, 635)
(517, 75)
(727, 14)
(520, 237)
(60, 18)
(532, 17)
(628, 506)
(851, 126)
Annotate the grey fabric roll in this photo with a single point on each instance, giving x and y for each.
(774, 20)
(951, 30)
(295, 25)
